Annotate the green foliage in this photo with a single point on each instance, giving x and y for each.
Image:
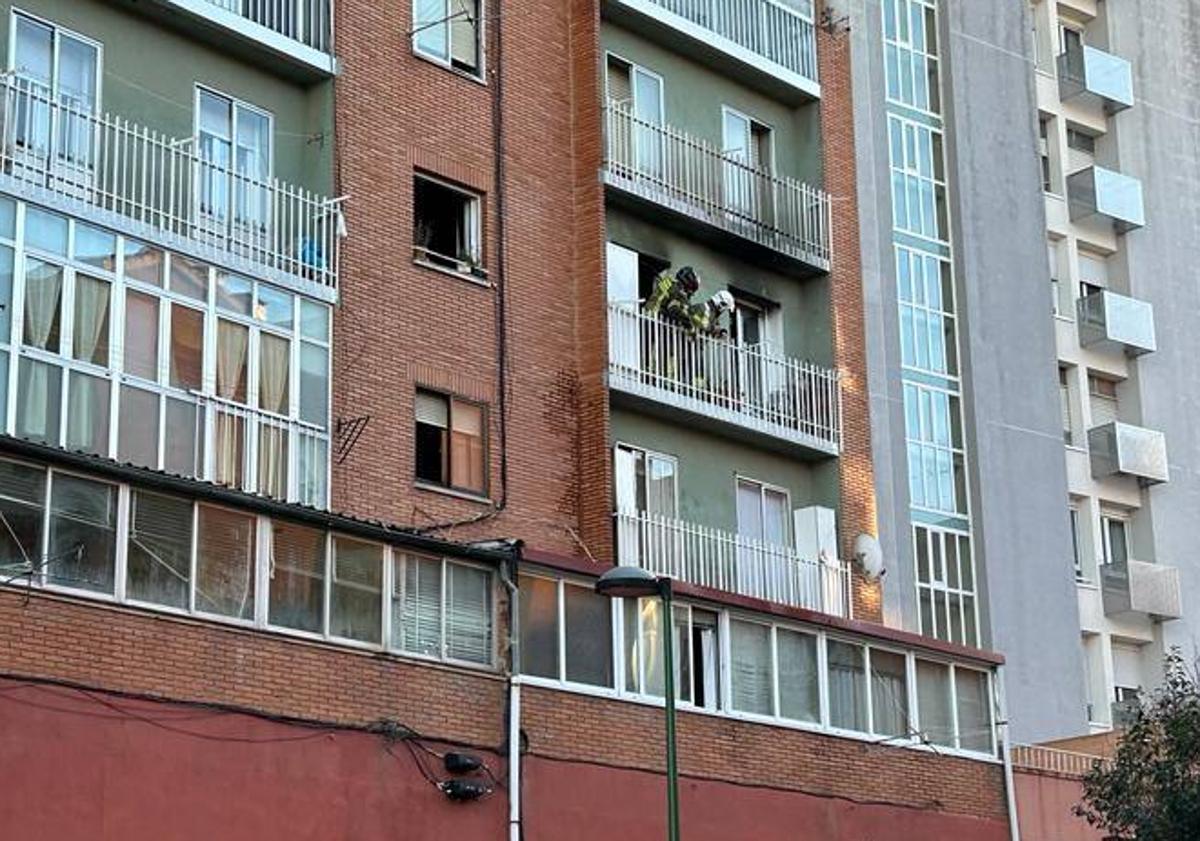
(1151, 789)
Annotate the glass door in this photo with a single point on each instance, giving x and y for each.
(234, 145)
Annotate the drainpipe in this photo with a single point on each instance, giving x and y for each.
(1010, 791)
(509, 577)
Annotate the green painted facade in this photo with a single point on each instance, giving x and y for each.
(693, 95)
(150, 72)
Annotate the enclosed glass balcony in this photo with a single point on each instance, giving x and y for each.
(1096, 191)
(1139, 587)
(1109, 320)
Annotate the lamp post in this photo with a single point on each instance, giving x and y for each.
(629, 582)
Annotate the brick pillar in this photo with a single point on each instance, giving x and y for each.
(856, 479)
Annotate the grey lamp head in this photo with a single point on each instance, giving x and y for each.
(627, 582)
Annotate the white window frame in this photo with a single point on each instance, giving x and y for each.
(58, 32)
(1111, 517)
(479, 74)
(764, 488)
(473, 268)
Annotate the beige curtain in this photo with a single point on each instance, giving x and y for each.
(233, 342)
(91, 320)
(229, 441)
(274, 358)
(43, 292)
(272, 460)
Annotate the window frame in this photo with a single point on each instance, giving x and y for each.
(473, 226)
(57, 33)
(485, 428)
(396, 590)
(561, 583)
(765, 488)
(479, 74)
(236, 105)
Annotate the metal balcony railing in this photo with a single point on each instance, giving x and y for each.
(310, 22)
(148, 184)
(733, 563)
(738, 384)
(670, 167)
(780, 31)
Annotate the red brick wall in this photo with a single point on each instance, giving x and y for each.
(856, 478)
(400, 325)
(188, 660)
(566, 726)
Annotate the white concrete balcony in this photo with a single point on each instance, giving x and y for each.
(733, 563)
(694, 180)
(1122, 449)
(1112, 321)
(1112, 196)
(1085, 71)
(163, 189)
(1139, 587)
(770, 43)
(298, 33)
(735, 389)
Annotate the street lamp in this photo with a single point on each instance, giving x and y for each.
(630, 582)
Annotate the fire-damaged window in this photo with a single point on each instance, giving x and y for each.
(446, 227)
(451, 442)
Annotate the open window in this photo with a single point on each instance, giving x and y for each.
(451, 442)
(449, 32)
(446, 227)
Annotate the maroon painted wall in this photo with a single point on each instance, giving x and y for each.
(74, 767)
(632, 803)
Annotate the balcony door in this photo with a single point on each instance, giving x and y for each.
(635, 102)
(52, 105)
(765, 537)
(746, 148)
(624, 319)
(758, 328)
(234, 167)
(647, 501)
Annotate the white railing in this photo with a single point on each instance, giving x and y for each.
(778, 30)
(60, 153)
(721, 560)
(1054, 761)
(308, 21)
(753, 388)
(260, 452)
(668, 166)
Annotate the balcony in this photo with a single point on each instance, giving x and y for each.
(1088, 72)
(163, 189)
(733, 563)
(1139, 587)
(1111, 321)
(693, 180)
(769, 43)
(296, 33)
(1109, 195)
(733, 388)
(1121, 449)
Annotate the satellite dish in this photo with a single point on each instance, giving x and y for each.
(869, 555)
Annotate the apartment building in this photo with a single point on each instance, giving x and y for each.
(344, 349)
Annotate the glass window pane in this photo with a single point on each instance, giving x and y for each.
(6, 287)
(187, 347)
(90, 340)
(225, 549)
(314, 320)
(273, 439)
(274, 307)
(183, 445)
(39, 395)
(137, 432)
(189, 277)
(235, 294)
(431, 32)
(45, 231)
(651, 647)
(144, 262)
(889, 693)
(314, 384)
(847, 686)
(974, 710)
(43, 304)
(356, 607)
(160, 549)
(468, 614)
(312, 465)
(83, 519)
(466, 447)
(8, 218)
(215, 114)
(589, 636)
(229, 449)
(539, 626)
(233, 344)
(141, 335)
(274, 373)
(933, 703)
(87, 414)
(95, 247)
(22, 495)
(417, 606)
(297, 577)
(750, 669)
(799, 690)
